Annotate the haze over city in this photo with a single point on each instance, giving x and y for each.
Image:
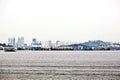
(74, 20)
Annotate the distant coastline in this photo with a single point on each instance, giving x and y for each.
(96, 45)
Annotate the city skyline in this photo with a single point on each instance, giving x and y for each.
(21, 40)
(35, 44)
(65, 20)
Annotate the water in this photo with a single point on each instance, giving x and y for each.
(60, 65)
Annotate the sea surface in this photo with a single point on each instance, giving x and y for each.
(60, 65)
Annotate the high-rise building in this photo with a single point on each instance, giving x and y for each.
(50, 44)
(20, 43)
(34, 40)
(35, 43)
(11, 41)
(47, 44)
(58, 43)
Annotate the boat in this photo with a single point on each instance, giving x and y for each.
(1, 48)
(9, 49)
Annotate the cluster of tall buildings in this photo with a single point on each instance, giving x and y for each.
(36, 44)
(19, 43)
(44, 44)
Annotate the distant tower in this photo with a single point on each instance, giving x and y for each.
(34, 40)
(58, 43)
(50, 44)
(20, 43)
(35, 43)
(11, 41)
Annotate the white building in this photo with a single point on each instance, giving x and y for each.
(36, 43)
(58, 43)
(20, 43)
(49, 44)
(11, 41)
(34, 40)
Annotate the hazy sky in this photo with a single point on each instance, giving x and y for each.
(74, 20)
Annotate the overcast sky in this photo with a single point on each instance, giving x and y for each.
(70, 20)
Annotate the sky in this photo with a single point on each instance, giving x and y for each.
(64, 20)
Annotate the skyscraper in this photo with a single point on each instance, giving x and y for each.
(11, 41)
(58, 43)
(20, 43)
(34, 40)
(50, 44)
(35, 43)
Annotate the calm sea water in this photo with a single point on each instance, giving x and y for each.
(60, 65)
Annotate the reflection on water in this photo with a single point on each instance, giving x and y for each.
(60, 65)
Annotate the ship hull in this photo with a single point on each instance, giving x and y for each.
(9, 49)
